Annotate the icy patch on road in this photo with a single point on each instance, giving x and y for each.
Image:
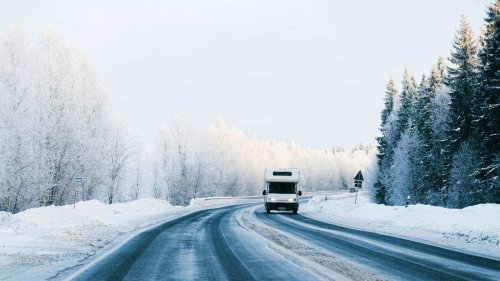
(474, 229)
(223, 201)
(323, 263)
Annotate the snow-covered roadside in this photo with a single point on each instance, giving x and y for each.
(474, 229)
(47, 242)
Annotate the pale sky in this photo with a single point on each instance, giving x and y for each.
(309, 71)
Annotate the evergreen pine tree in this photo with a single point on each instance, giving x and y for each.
(423, 100)
(462, 191)
(391, 93)
(488, 121)
(438, 75)
(435, 128)
(406, 169)
(384, 154)
(462, 80)
(423, 129)
(407, 110)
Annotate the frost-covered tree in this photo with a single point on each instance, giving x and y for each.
(391, 93)
(405, 178)
(463, 191)
(118, 150)
(433, 109)
(17, 126)
(138, 180)
(462, 80)
(385, 142)
(407, 110)
(55, 113)
(449, 129)
(157, 183)
(439, 120)
(423, 98)
(90, 126)
(438, 75)
(402, 119)
(172, 172)
(53, 124)
(423, 130)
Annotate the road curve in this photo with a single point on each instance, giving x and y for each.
(396, 258)
(204, 245)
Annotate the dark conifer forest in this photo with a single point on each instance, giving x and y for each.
(440, 140)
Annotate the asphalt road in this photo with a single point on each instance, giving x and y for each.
(211, 245)
(396, 258)
(205, 245)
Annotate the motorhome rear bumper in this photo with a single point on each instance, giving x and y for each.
(282, 205)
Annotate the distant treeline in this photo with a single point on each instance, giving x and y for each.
(223, 161)
(440, 140)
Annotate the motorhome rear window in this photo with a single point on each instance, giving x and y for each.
(282, 173)
(281, 187)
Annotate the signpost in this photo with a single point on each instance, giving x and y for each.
(80, 181)
(358, 182)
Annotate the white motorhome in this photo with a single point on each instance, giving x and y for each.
(281, 189)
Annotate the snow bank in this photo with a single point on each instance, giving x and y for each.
(85, 215)
(474, 229)
(38, 243)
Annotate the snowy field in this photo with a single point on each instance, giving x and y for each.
(42, 243)
(474, 229)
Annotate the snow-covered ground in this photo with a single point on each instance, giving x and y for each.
(42, 243)
(475, 229)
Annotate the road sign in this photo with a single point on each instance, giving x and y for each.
(359, 176)
(80, 181)
(358, 182)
